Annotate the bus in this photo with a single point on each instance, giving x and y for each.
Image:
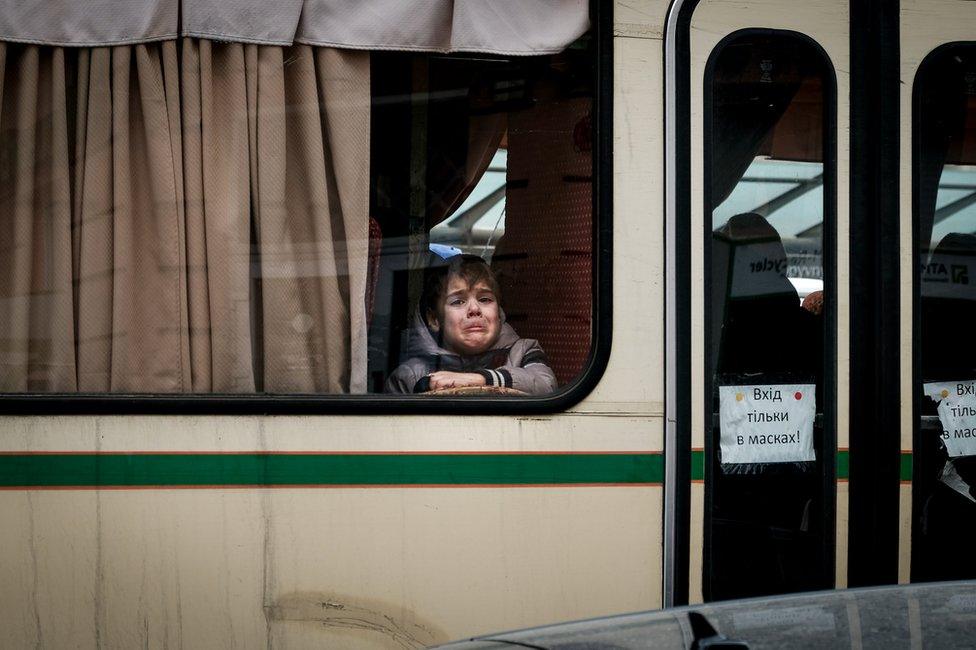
(737, 231)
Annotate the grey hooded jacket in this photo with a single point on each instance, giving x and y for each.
(512, 362)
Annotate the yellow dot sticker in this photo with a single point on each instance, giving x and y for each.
(945, 393)
(738, 397)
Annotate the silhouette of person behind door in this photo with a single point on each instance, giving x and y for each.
(767, 520)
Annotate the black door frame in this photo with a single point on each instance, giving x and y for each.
(874, 327)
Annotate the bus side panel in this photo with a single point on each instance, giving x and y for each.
(504, 529)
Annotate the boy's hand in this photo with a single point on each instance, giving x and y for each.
(447, 379)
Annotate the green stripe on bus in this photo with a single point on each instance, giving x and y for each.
(697, 465)
(161, 470)
(843, 464)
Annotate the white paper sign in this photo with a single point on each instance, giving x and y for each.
(767, 423)
(758, 270)
(957, 413)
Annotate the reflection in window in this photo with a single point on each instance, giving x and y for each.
(789, 194)
(766, 497)
(477, 225)
(944, 500)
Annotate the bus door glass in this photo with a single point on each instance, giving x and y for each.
(769, 492)
(944, 446)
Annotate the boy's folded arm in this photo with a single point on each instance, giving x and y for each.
(406, 376)
(453, 379)
(527, 370)
(534, 379)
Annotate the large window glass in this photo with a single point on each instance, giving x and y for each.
(201, 217)
(944, 499)
(768, 481)
(490, 158)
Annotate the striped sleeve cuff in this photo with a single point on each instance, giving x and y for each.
(422, 385)
(500, 377)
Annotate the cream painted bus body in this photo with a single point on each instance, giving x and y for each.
(404, 566)
(358, 567)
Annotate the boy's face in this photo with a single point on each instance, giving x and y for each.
(469, 317)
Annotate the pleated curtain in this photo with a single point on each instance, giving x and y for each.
(515, 27)
(183, 216)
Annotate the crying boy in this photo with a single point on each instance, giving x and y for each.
(459, 337)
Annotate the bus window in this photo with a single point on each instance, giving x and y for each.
(944, 473)
(768, 504)
(209, 218)
(489, 157)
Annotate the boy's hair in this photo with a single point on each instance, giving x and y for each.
(470, 268)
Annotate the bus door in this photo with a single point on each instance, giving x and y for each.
(822, 240)
(759, 218)
(938, 233)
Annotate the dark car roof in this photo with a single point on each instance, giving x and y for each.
(937, 615)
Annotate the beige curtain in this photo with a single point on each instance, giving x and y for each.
(183, 217)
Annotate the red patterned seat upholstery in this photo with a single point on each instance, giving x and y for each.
(544, 260)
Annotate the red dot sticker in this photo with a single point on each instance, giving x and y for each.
(797, 395)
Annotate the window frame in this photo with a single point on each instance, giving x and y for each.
(38, 404)
(829, 263)
(917, 501)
